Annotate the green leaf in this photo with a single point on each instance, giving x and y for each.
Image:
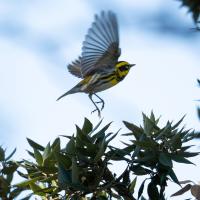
(146, 144)
(36, 189)
(101, 151)
(125, 176)
(132, 185)
(38, 157)
(46, 152)
(165, 159)
(112, 137)
(48, 169)
(152, 191)
(118, 154)
(35, 145)
(70, 148)
(52, 190)
(9, 178)
(10, 168)
(139, 170)
(180, 159)
(2, 154)
(178, 123)
(101, 133)
(141, 189)
(87, 151)
(187, 135)
(173, 176)
(63, 160)
(188, 154)
(27, 182)
(22, 174)
(64, 177)
(186, 147)
(96, 127)
(166, 131)
(175, 142)
(138, 148)
(81, 138)
(152, 117)
(56, 145)
(87, 126)
(149, 125)
(149, 157)
(136, 131)
(31, 154)
(8, 158)
(75, 171)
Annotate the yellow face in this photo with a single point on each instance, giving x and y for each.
(123, 68)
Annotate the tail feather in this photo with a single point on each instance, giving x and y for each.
(72, 91)
(65, 94)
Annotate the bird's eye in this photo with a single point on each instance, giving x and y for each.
(124, 68)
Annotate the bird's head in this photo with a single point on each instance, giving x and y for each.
(123, 68)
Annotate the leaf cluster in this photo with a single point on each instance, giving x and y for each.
(7, 170)
(80, 169)
(154, 150)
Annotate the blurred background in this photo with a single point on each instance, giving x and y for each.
(39, 38)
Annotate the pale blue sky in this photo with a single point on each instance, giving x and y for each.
(39, 38)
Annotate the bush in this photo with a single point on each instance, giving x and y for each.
(81, 169)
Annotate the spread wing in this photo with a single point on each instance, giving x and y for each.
(100, 49)
(75, 68)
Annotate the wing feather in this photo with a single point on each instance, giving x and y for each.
(75, 68)
(101, 46)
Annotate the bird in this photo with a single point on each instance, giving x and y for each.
(98, 64)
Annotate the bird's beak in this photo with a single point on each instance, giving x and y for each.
(131, 65)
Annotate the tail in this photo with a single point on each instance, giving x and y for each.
(72, 91)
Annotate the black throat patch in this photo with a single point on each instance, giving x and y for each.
(119, 78)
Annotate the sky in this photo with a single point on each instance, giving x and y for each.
(39, 38)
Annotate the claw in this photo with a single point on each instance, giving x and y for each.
(99, 113)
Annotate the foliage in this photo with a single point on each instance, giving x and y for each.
(153, 151)
(81, 169)
(7, 170)
(193, 7)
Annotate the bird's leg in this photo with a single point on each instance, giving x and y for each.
(101, 101)
(97, 109)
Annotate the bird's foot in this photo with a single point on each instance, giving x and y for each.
(102, 102)
(99, 112)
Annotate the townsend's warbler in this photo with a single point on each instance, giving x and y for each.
(98, 64)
